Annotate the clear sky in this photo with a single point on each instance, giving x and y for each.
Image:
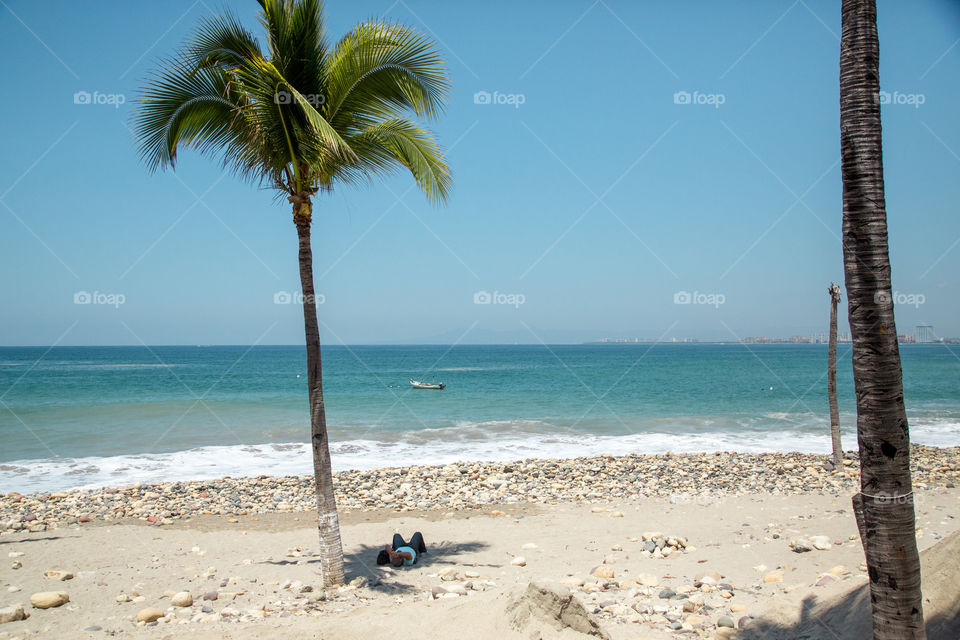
(590, 187)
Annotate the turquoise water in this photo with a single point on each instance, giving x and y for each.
(84, 416)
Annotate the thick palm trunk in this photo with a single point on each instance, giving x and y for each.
(886, 498)
(832, 378)
(331, 549)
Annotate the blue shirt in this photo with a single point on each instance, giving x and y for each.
(409, 550)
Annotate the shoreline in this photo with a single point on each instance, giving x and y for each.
(698, 478)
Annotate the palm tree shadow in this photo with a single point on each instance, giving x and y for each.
(849, 618)
(848, 615)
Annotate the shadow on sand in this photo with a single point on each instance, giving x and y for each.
(848, 615)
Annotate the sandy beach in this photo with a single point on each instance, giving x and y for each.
(712, 545)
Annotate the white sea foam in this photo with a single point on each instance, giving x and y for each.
(483, 442)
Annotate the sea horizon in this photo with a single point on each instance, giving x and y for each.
(84, 416)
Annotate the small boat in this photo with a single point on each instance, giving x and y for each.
(416, 384)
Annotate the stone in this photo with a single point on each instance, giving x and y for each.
(447, 574)
(210, 595)
(519, 561)
(471, 574)
(611, 559)
(801, 545)
(648, 580)
(48, 599)
(737, 608)
(150, 614)
(603, 571)
(573, 582)
(58, 575)
(12, 613)
(93, 628)
(457, 588)
(725, 621)
(529, 546)
(666, 594)
(616, 514)
(229, 612)
(825, 580)
(773, 576)
(182, 599)
(821, 543)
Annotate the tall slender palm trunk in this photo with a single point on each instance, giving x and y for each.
(834, 291)
(885, 501)
(328, 524)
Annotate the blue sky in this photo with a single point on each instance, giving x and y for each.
(588, 188)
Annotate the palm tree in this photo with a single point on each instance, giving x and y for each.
(834, 292)
(299, 116)
(885, 500)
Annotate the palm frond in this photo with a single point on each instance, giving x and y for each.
(379, 70)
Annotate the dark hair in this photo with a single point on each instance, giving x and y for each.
(383, 557)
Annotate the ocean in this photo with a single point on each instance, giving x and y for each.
(101, 416)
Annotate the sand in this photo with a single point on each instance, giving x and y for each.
(257, 556)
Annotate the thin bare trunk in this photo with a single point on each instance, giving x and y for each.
(888, 534)
(328, 524)
(834, 291)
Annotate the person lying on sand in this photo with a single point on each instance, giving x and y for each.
(401, 553)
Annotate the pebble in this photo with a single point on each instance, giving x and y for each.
(463, 485)
(603, 571)
(725, 621)
(150, 614)
(48, 599)
(12, 613)
(519, 561)
(182, 599)
(58, 575)
(773, 576)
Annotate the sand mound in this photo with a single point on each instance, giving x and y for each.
(847, 615)
(554, 606)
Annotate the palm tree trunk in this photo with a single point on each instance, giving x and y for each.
(832, 379)
(888, 534)
(331, 549)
